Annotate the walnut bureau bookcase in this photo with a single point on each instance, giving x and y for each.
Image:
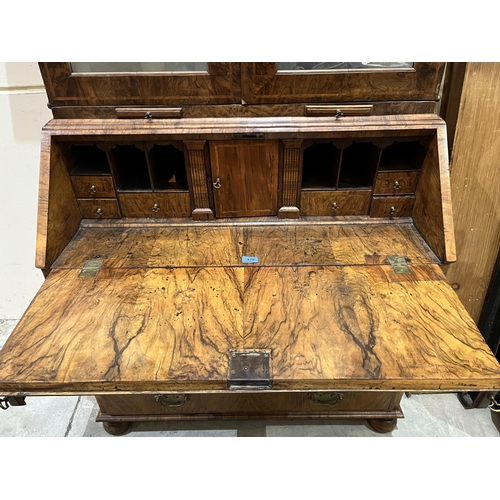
(244, 240)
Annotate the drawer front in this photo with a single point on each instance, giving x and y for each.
(93, 186)
(396, 183)
(155, 204)
(99, 208)
(392, 206)
(334, 203)
(251, 404)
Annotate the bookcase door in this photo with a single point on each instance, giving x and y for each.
(272, 82)
(132, 84)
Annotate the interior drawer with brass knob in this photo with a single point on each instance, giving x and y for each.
(396, 183)
(334, 203)
(99, 208)
(250, 404)
(93, 186)
(392, 206)
(166, 204)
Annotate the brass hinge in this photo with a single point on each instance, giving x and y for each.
(90, 268)
(399, 264)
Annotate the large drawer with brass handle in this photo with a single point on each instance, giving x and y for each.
(99, 208)
(251, 404)
(396, 183)
(392, 206)
(173, 204)
(93, 186)
(335, 202)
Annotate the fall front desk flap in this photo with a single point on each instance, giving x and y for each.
(333, 306)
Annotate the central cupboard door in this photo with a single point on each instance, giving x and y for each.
(245, 177)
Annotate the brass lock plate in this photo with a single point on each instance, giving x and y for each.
(249, 369)
(399, 264)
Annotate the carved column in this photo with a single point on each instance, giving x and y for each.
(292, 162)
(197, 165)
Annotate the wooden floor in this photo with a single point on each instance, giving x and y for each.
(169, 304)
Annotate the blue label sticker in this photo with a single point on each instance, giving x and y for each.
(249, 260)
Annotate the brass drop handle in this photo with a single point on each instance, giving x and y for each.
(156, 207)
(397, 185)
(326, 398)
(8, 401)
(172, 400)
(148, 115)
(335, 206)
(338, 114)
(394, 211)
(92, 189)
(98, 212)
(217, 183)
(494, 405)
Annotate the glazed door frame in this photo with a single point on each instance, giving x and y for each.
(220, 84)
(262, 83)
(240, 83)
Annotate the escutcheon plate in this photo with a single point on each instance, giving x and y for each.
(249, 369)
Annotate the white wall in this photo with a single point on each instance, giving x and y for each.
(23, 112)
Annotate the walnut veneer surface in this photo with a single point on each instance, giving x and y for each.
(169, 303)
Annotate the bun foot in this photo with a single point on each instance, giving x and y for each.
(382, 425)
(116, 428)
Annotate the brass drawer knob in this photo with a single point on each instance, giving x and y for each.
(172, 400)
(397, 185)
(156, 207)
(325, 398)
(92, 190)
(98, 212)
(394, 211)
(335, 206)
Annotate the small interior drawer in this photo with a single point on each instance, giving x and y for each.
(99, 208)
(173, 204)
(93, 186)
(396, 183)
(336, 202)
(392, 206)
